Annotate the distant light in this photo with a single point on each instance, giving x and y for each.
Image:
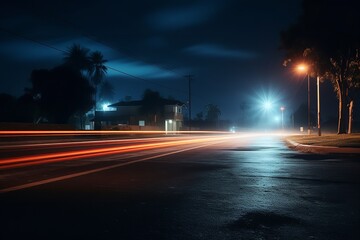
(267, 105)
(302, 68)
(170, 120)
(282, 108)
(105, 107)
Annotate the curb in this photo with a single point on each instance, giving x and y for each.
(321, 149)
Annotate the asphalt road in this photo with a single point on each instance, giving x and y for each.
(204, 187)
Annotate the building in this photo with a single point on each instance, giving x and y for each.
(162, 114)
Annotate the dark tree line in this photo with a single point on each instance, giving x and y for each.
(208, 118)
(327, 37)
(212, 114)
(62, 92)
(22, 109)
(152, 105)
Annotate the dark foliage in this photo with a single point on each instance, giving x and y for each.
(61, 93)
(327, 37)
(77, 57)
(22, 109)
(152, 103)
(7, 106)
(212, 113)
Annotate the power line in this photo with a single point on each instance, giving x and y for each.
(32, 40)
(189, 77)
(67, 23)
(64, 51)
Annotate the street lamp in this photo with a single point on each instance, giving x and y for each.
(318, 104)
(304, 68)
(267, 105)
(282, 108)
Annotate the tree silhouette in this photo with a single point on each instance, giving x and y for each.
(212, 113)
(199, 116)
(97, 70)
(152, 105)
(7, 107)
(327, 37)
(22, 109)
(61, 92)
(77, 57)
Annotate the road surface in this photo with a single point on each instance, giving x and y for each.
(235, 186)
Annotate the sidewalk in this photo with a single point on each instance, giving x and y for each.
(326, 144)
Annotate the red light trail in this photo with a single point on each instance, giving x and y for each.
(102, 150)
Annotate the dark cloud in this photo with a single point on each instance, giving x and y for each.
(182, 16)
(217, 51)
(230, 46)
(139, 69)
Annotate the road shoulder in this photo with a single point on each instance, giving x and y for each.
(318, 149)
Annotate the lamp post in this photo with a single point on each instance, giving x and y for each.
(282, 117)
(318, 105)
(304, 68)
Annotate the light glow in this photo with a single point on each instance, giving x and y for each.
(67, 151)
(267, 105)
(102, 150)
(303, 68)
(105, 107)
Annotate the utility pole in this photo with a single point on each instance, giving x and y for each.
(309, 118)
(282, 108)
(318, 106)
(189, 77)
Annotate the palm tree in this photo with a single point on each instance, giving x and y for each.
(97, 70)
(77, 57)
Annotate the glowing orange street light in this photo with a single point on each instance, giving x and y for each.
(303, 68)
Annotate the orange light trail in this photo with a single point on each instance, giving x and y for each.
(83, 143)
(82, 173)
(77, 154)
(88, 132)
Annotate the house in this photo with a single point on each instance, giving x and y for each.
(162, 114)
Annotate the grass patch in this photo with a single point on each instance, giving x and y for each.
(334, 140)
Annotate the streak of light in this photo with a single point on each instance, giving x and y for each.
(102, 150)
(86, 142)
(76, 154)
(86, 132)
(78, 174)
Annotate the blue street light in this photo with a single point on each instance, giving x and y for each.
(267, 105)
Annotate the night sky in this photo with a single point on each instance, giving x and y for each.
(231, 47)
